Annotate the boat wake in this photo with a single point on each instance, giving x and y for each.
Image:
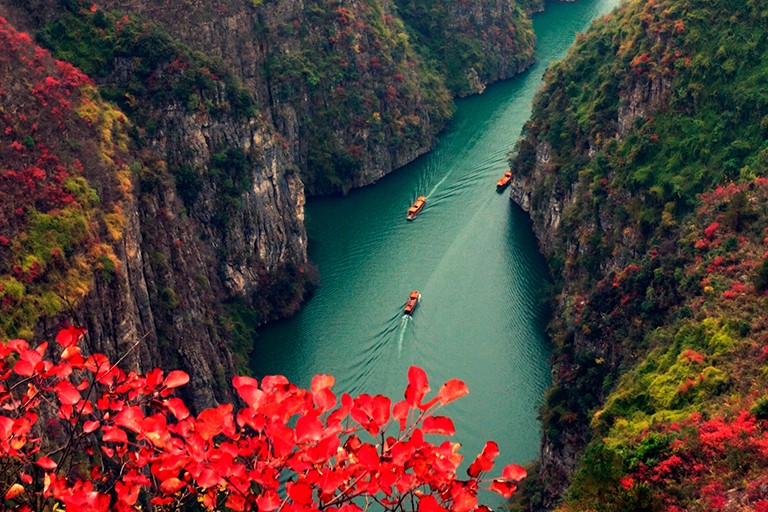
(403, 326)
(473, 175)
(391, 326)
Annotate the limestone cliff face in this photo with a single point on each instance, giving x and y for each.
(211, 217)
(176, 268)
(584, 227)
(184, 259)
(179, 265)
(342, 82)
(473, 43)
(235, 108)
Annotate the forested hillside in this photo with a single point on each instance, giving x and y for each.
(644, 168)
(95, 230)
(354, 89)
(156, 154)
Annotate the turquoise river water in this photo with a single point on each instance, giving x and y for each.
(470, 252)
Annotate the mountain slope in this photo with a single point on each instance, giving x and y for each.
(345, 84)
(226, 110)
(642, 168)
(95, 232)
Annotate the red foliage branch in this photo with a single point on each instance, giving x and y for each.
(77, 430)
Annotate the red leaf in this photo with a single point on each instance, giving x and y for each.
(321, 394)
(464, 500)
(248, 389)
(67, 393)
(490, 450)
(24, 368)
(72, 353)
(178, 408)
(428, 503)
(514, 472)
(69, 336)
(438, 425)
(115, 435)
(308, 428)
(14, 491)
(368, 456)
(40, 349)
(330, 481)
(46, 463)
(130, 418)
(320, 382)
(282, 439)
(273, 383)
(235, 502)
(324, 399)
(212, 422)
(171, 485)
(64, 338)
(380, 407)
(300, 493)
(154, 378)
(400, 413)
(98, 364)
(502, 487)
(452, 390)
(484, 461)
(155, 429)
(18, 346)
(91, 426)
(176, 378)
(268, 501)
(418, 386)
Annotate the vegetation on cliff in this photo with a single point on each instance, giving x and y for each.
(137, 63)
(140, 68)
(377, 79)
(94, 226)
(354, 90)
(63, 180)
(468, 50)
(360, 73)
(651, 138)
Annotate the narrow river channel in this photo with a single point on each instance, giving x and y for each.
(471, 254)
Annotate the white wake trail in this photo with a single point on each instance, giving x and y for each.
(403, 327)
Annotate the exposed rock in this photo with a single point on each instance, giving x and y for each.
(644, 97)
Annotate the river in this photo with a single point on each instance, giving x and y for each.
(470, 252)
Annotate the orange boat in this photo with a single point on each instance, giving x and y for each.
(413, 299)
(504, 181)
(416, 208)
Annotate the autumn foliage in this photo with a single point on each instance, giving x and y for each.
(64, 178)
(76, 430)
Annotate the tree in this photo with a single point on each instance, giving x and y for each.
(77, 431)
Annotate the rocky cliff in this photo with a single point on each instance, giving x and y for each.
(652, 110)
(175, 265)
(472, 44)
(231, 110)
(344, 83)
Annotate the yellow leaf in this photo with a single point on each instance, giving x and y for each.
(14, 491)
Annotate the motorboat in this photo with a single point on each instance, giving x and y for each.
(416, 208)
(413, 299)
